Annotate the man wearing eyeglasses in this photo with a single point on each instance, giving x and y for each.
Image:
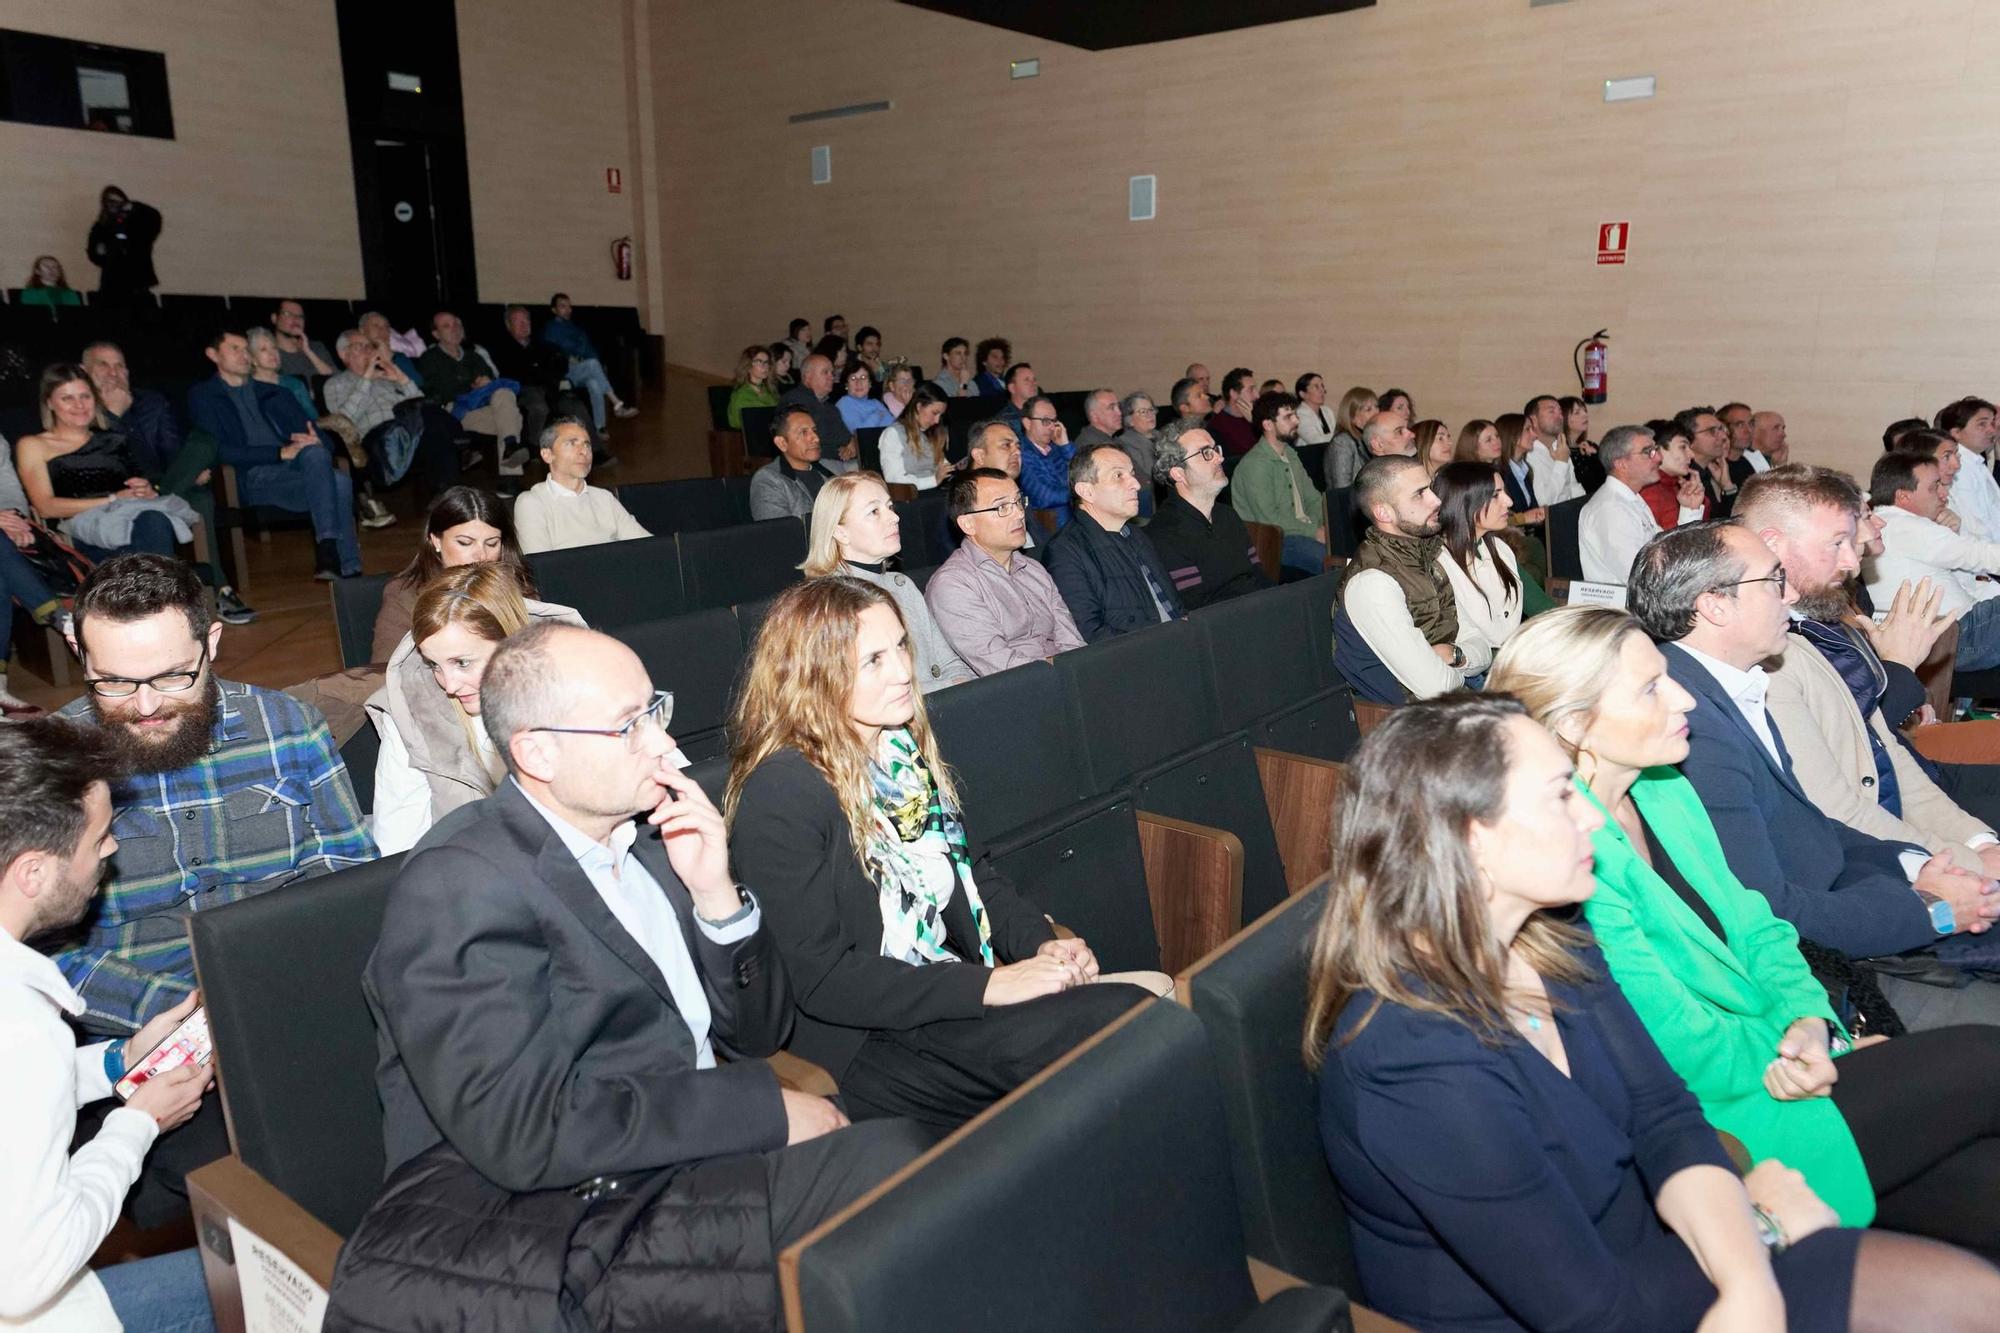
(231, 791)
(1614, 523)
(998, 607)
(1709, 438)
(1203, 545)
(573, 993)
(1045, 458)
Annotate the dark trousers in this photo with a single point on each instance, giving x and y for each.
(160, 1194)
(434, 467)
(1973, 788)
(1925, 1113)
(942, 1074)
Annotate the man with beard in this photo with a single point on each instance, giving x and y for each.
(1396, 636)
(57, 1206)
(1272, 486)
(228, 791)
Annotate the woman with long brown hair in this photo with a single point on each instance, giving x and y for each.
(465, 526)
(1512, 1149)
(435, 755)
(926, 991)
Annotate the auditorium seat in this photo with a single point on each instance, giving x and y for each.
(728, 565)
(868, 444)
(693, 505)
(1250, 996)
(757, 444)
(1314, 458)
(614, 583)
(750, 620)
(1345, 524)
(718, 406)
(697, 656)
(961, 414)
(1261, 653)
(1565, 560)
(1320, 593)
(1007, 740)
(1098, 1195)
(356, 603)
(922, 523)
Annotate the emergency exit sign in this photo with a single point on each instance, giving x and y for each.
(1612, 238)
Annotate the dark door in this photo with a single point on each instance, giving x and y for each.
(408, 223)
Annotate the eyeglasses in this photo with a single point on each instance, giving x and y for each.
(1006, 508)
(1652, 451)
(1206, 452)
(1046, 421)
(171, 682)
(1146, 411)
(656, 713)
(1777, 576)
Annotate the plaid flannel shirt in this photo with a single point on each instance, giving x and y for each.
(269, 804)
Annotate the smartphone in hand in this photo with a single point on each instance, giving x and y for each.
(186, 1044)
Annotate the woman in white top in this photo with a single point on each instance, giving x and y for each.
(1485, 578)
(435, 754)
(1316, 419)
(857, 532)
(913, 448)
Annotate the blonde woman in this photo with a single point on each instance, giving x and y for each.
(913, 447)
(926, 991)
(435, 755)
(857, 532)
(1345, 454)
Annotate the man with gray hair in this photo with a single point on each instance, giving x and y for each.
(1203, 544)
(1103, 418)
(1387, 435)
(1617, 521)
(594, 1016)
(1107, 571)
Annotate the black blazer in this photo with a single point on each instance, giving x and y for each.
(1098, 575)
(790, 839)
(1840, 887)
(520, 1023)
(1521, 492)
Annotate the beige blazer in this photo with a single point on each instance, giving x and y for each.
(1823, 730)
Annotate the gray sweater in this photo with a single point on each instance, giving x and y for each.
(937, 662)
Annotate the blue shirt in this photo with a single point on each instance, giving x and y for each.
(568, 336)
(861, 413)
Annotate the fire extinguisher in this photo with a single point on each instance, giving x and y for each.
(1592, 359)
(621, 258)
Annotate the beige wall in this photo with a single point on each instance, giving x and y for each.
(256, 187)
(1406, 194)
(545, 114)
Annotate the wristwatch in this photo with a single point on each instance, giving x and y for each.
(1457, 657)
(1942, 920)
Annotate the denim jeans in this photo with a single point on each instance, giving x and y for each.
(1979, 636)
(163, 1294)
(588, 375)
(20, 582)
(1303, 553)
(311, 484)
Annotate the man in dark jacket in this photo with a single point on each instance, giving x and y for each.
(583, 1033)
(540, 368)
(121, 245)
(1203, 545)
(1102, 563)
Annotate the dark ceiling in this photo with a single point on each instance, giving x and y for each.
(1097, 25)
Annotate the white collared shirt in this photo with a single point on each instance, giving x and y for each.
(1610, 528)
(1914, 547)
(1747, 690)
(56, 1207)
(1975, 496)
(641, 906)
(1756, 460)
(1555, 478)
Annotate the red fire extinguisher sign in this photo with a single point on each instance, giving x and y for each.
(614, 180)
(1612, 238)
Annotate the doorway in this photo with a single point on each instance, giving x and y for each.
(408, 218)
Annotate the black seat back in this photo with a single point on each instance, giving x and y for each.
(718, 407)
(868, 444)
(757, 441)
(1320, 593)
(1007, 741)
(697, 656)
(614, 583)
(693, 505)
(728, 565)
(295, 1051)
(359, 754)
(1262, 662)
(1084, 869)
(1251, 997)
(1146, 1235)
(1565, 557)
(922, 523)
(1345, 524)
(356, 603)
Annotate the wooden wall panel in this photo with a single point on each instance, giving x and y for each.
(1404, 194)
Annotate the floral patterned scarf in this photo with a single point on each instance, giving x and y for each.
(916, 855)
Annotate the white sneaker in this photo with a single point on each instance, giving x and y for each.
(375, 514)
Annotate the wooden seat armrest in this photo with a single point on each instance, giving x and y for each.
(801, 1075)
(1268, 1281)
(1369, 715)
(226, 1189)
(1300, 791)
(1194, 876)
(902, 490)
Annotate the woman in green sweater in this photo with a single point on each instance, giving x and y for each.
(753, 385)
(1271, 485)
(1905, 1133)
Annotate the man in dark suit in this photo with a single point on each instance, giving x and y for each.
(1718, 601)
(553, 987)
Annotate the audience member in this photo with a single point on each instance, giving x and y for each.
(1202, 544)
(82, 475)
(1676, 495)
(280, 458)
(1971, 424)
(1454, 1019)
(753, 387)
(1388, 433)
(1103, 418)
(1768, 448)
(1487, 588)
(1583, 459)
(1046, 457)
(795, 339)
(121, 245)
(1230, 423)
(1344, 455)
(22, 581)
(1435, 445)
(539, 369)
(498, 1088)
(1396, 632)
(955, 375)
(899, 382)
(1108, 573)
(460, 378)
(1906, 490)
(1617, 521)
(1138, 437)
(375, 327)
(586, 367)
(1271, 485)
(399, 431)
(997, 607)
(856, 532)
(1191, 402)
(435, 756)
(1709, 439)
(913, 446)
(993, 444)
(786, 486)
(1020, 385)
(465, 526)
(266, 367)
(1716, 599)
(565, 510)
(994, 357)
(815, 383)
(48, 285)
(868, 350)
(1720, 983)
(1735, 418)
(1479, 442)
(925, 990)
(305, 359)
(1316, 424)
(858, 406)
(784, 373)
(1515, 474)
(1197, 372)
(1397, 401)
(1547, 453)
(62, 1197)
